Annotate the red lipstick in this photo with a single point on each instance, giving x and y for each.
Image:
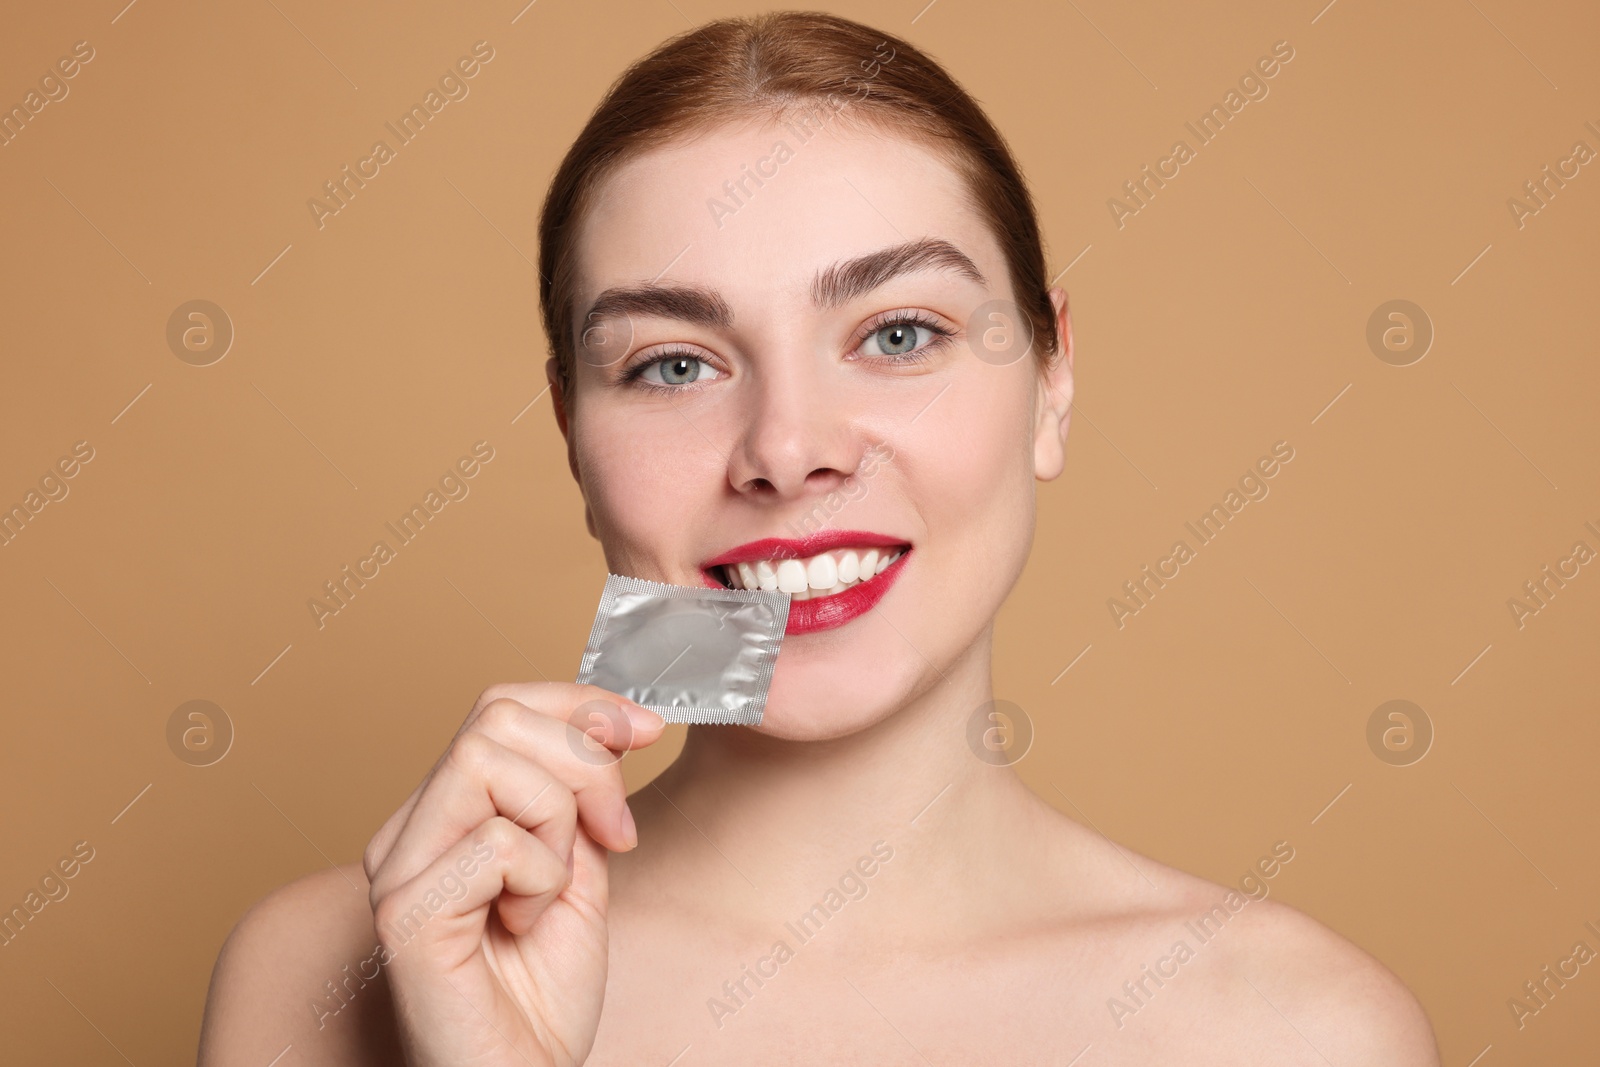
(820, 613)
(790, 548)
(825, 613)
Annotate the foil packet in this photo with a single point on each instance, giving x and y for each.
(694, 655)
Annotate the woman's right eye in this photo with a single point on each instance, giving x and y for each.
(670, 371)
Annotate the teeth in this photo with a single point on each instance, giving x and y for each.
(791, 576)
(849, 567)
(826, 574)
(822, 572)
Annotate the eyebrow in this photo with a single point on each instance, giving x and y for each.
(833, 286)
(843, 282)
(701, 306)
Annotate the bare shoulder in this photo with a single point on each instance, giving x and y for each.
(301, 969)
(1189, 970)
(1319, 982)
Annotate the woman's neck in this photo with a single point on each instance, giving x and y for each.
(785, 817)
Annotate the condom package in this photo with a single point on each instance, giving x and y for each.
(688, 654)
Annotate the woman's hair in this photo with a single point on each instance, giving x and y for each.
(778, 66)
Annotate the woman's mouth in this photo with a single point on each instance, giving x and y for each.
(831, 577)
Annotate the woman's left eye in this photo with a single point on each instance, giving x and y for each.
(901, 338)
(677, 370)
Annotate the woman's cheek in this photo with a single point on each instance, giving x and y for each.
(985, 497)
(618, 481)
(979, 453)
(641, 483)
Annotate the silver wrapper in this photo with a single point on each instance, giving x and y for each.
(697, 655)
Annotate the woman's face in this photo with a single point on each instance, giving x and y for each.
(787, 360)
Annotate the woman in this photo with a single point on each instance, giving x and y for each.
(798, 303)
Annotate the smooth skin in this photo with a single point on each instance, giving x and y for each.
(997, 930)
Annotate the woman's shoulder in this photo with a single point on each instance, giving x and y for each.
(1306, 979)
(301, 970)
(1254, 972)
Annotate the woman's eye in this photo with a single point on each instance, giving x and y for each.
(677, 370)
(897, 339)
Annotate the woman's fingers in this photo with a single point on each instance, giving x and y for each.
(588, 883)
(378, 848)
(440, 908)
(478, 780)
(516, 816)
(595, 726)
(582, 752)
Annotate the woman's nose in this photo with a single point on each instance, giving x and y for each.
(799, 436)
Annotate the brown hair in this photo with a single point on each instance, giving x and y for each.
(733, 69)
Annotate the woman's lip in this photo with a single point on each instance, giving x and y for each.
(826, 613)
(814, 545)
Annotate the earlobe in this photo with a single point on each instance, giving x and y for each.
(1054, 411)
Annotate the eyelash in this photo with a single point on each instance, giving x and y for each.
(634, 375)
(883, 320)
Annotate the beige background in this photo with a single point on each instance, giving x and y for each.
(1228, 314)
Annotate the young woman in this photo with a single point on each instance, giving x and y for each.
(790, 276)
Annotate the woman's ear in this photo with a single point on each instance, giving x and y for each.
(1054, 402)
(558, 401)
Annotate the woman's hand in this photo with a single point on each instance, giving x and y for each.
(489, 884)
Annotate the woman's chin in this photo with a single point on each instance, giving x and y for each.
(796, 722)
(823, 701)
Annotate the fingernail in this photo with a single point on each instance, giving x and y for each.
(630, 831)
